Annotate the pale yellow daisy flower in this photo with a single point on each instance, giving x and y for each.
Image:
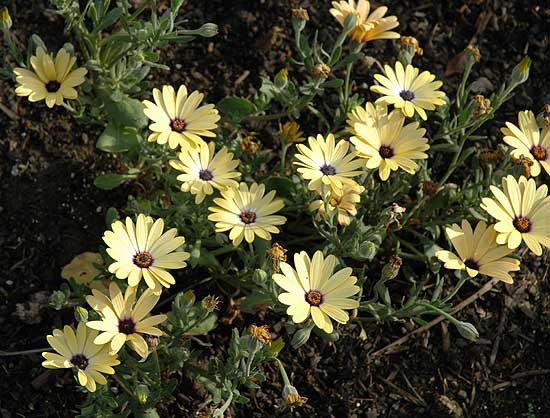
(123, 319)
(342, 201)
(369, 115)
(389, 144)
(523, 212)
(143, 250)
(327, 163)
(408, 90)
(314, 289)
(177, 118)
(529, 141)
(205, 170)
(247, 212)
(52, 80)
(478, 252)
(368, 27)
(79, 351)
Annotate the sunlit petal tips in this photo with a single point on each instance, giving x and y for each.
(312, 288)
(51, 80)
(78, 351)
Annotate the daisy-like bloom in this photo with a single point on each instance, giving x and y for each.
(123, 319)
(178, 119)
(327, 163)
(368, 115)
(523, 212)
(389, 144)
(142, 250)
(52, 80)
(343, 201)
(313, 288)
(204, 170)
(247, 213)
(291, 132)
(79, 351)
(409, 91)
(368, 27)
(528, 141)
(478, 252)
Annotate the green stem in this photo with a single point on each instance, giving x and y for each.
(23, 352)
(456, 289)
(286, 380)
(123, 386)
(283, 156)
(157, 366)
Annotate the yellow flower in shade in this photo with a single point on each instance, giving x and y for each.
(368, 115)
(52, 80)
(313, 288)
(123, 319)
(178, 119)
(389, 144)
(409, 91)
(343, 201)
(368, 27)
(83, 268)
(523, 212)
(205, 170)
(529, 141)
(291, 132)
(327, 163)
(79, 351)
(247, 213)
(143, 250)
(478, 252)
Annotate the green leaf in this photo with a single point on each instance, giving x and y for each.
(116, 138)
(109, 19)
(276, 346)
(333, 84)
(282, 185)
(205, 326)
(126, 112)
(110, 181)
(254, 299)
(236, 107)
(111, 216)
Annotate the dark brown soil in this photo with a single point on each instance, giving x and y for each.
(51, 212)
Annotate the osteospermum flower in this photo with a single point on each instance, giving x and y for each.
(389, 144)
(477, 252)
(523, 212)
(327, 163)
(314, 289)
(177, 119)
(343, 201)
(368, 27)
(409, 91)
(368, 115)
(529, 141)
(204, 170)
(123, 319)
(247, 213)
(52, 80)
(143, 250)
(79, 351)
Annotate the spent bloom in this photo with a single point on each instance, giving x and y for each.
(291, 132)
(123, 319)
(144, 251)
(408, 90)
(312, 288)
(368, 27)
(477, 252)
(205, 170)
(177, 118)
(388, 144)
(79, 351)
(522, 211)
(342, 201)
(52, 80)
(327, 163)
(529, 141)
(247, 212)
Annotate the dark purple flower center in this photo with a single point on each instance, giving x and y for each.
(539, 152)
(385, 151)
(248, 216)
(471, 263)
(52, 86)
(407, 95)
(328, 170)
(206, 175)
(126, 326)
(522, 223)
(314, 297)
(143, 259)
(178, 125)
(80, 361)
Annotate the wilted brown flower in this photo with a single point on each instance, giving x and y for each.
(393, 215)
(474, 51)
(300, 13)
(277, 253)
(525, 163)
(430, 188)
(488, 156)
(482, 106)
(295, 399)
(211, 303)
(261, 333)
(248, 145)
(322, 70)
(413, 42)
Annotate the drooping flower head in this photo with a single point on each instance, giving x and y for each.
(123, 319)
(388, 144)
(80, 352)
(343, 201)
(205, 170)
(529, 141)
(327, 163)
(143, 250)
(408, 90)
(522, 211)
(247, 212)
(177, 118)
(312, 288)
(52, 80)
(368, 27)
(477, 252)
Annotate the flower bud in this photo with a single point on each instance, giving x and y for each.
(391, 269)
(142, 393)
(300, 337)
(5, 19)
(467, 330)
(208, 30)
(281, 79)
(81, 314)
(520, 73)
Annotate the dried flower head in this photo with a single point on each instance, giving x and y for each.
(300, 13)
(211, 303)
(525, 163)
(482, 106)
(393, 214)
(277, 253)
(473, 51)
(545, 116)
(392, 267)
(322, 70)
(261, 333)
(248, 145)
(430, 188)
(489, 157)
(292, 397)
(291, 132)
(412, 42)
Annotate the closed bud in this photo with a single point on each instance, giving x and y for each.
(281, 79)
(391, 269)
(520, 73)
(300, 337)
(208, 30)
(5, 19)
(142, 394)
(81, 314)
(467, 330)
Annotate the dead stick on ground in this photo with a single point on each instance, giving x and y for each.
(391, 347)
